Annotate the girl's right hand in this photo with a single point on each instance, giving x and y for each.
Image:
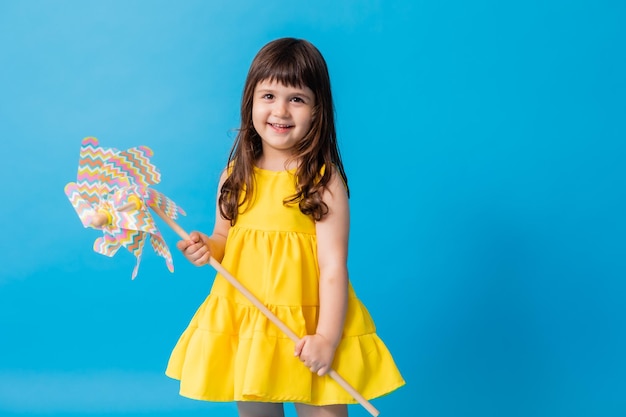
(197, 249)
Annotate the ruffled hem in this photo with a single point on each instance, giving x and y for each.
(231, 352)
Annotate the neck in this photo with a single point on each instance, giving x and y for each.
(274, 162)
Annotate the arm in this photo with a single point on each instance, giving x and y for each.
(317, 351)
(201, 247)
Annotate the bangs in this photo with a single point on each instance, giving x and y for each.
(288, 72)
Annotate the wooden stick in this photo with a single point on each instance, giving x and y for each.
(271, 316)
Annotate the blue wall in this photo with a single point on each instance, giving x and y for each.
(484, 143)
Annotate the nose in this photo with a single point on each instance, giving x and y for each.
(281, 108)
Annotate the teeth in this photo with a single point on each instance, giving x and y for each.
(280, 126)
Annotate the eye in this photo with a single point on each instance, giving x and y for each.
(297, 99)
(267, 96)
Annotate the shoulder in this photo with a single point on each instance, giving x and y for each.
(335, 195)
(336, 183)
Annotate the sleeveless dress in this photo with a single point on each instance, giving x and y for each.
(231, 352)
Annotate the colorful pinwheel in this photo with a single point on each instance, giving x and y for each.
(112, 193)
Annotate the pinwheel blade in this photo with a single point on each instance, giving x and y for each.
(95, 179)
(115, 185)
(135, 165)
(83, 208)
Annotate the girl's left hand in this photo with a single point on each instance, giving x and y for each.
(316, 352)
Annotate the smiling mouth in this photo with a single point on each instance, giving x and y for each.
(280, 126)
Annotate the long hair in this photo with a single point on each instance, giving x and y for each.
(294, 63)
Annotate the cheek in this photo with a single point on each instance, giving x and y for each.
(306, 115)
(311, 119)
(257, 115)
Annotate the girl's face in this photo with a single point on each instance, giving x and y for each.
(281, 116)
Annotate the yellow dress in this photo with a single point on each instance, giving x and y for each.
(231, 352)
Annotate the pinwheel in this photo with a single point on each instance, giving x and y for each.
(112, 193)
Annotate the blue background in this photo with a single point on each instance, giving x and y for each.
(484, 143)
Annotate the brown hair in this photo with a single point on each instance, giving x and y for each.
(294, 63)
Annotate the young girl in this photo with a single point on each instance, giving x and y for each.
(282, 230)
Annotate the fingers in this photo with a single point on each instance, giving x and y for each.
(317, 368)
(301, 351)
(182, 245)
(195, 249)
(298, 349)
(323, 370)
(195, 237)
(311, 356)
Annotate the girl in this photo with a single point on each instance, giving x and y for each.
(282, 230)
